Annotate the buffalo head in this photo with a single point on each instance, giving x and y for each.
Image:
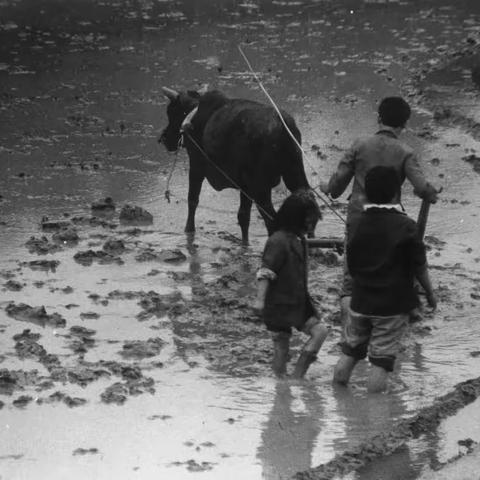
(179, 106)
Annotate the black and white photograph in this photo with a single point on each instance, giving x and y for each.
(240, 239)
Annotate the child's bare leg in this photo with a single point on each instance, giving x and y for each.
(377, 380)
(318, 333)
(356, 335)
(281, 344)
(343, 369)
(385, 344)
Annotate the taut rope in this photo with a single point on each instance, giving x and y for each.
(326, 202)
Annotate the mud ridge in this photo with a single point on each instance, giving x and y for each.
(425, 421)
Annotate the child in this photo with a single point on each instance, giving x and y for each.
(282, 294)
(384, 256)
(382, 148)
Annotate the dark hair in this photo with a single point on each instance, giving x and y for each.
(394, 111)
(294, 212)
(382, 184)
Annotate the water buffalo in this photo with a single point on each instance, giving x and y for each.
(234, 143)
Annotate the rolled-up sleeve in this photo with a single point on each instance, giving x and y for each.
(345, 171)
(264, 273)
(414, 174)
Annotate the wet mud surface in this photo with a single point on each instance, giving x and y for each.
(426, 421)
(130, 349)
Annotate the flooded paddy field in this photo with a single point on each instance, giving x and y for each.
(129, 350)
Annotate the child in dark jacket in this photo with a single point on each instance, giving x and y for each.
(384, 148)
(282, 281)
(385, 254)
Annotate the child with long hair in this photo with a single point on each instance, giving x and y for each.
(385, 254)
(282, 284)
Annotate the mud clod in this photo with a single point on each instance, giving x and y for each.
(474, 160)
(12, 380)
(22, 401)
(63, 397)
(114, 246)
(425, 421)
(103, 206)
(134, 215)
(85, 451)
(48, 225)
(41, 246)
(13, 286)
(139, 349)
(154, 304)
(45, 265)
(119, 392)
(86, 258)
(66, 236)
(169, 256)
(84, 374)
(194, 466)
(36, 315)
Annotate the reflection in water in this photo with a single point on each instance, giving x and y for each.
(84, 127)
(394, 467)
(363, 414)
(289, 435)
(194, 265)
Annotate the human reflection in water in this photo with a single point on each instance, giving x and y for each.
(290, 433)
(365, 416)
(184, 331)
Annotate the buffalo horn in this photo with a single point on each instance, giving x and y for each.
(169, 93)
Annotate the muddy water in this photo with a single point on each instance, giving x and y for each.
(81, 109)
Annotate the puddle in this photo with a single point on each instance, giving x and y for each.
(456, 438)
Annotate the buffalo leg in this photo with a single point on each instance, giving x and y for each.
(267, 212)
(244, 216)
(195, 180)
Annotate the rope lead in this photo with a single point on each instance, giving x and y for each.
(288, 130)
